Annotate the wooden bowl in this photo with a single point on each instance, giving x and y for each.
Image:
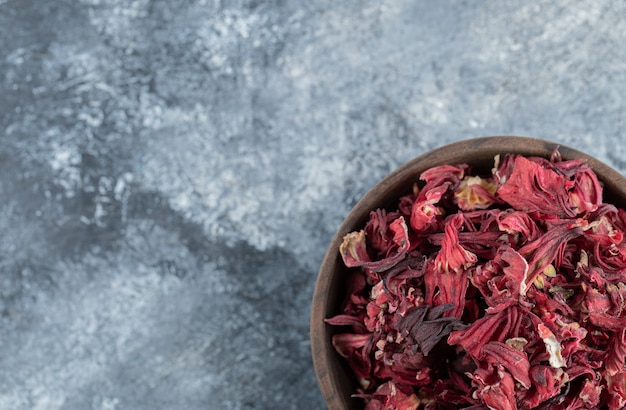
(334, 376)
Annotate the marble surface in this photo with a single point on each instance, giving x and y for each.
(171, 173)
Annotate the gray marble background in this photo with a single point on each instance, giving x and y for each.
(171, 172)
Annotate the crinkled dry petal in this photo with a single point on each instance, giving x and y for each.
(617, 295)
(354, 348)
(520, 224)
(546, 384)
(553, 347)
(446, 289)
(495, 389)
(353, 249)
(377, 230)
(475, 192)
(602, 232)
(589, 395)
(354, 252)
(607, 321)
(347, 343)
(408, 270)
(601, 311)
(391, 396)
(453, 257)
(549, 248)
(346, 320)
(425, 326)
(505, 283)
(503, 168)
(498, 327)
(401, 364)
(425, 208)
(571, 336)
(444, 173)
(616, 391)
(482, 244)
(533, 188)
(616, 354)
(586, 195)
(514, 361)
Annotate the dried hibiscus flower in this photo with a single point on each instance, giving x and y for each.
(503, 291)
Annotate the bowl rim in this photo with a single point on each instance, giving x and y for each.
(330, 375)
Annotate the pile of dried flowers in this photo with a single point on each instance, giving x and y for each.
(497, 292)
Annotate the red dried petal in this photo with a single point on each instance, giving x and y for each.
(475, 193)
(553, 347)
(354, 251)
(501, 281)
(444, 173)
(425, 208)
(389, 396)
(355, 349)
(589, 396)
(546, 384)
(446, 289)
(549, 248)
(519, 224)
(586, 195)
(616, 354)
(425, 326)
(347, 343)
(346, 320)
(533, 188)
(498, 327)
(514, 361)
(602, 232)
(495, 389)
(453, 257)
(616, 389)
(377, 230)
(503, 168)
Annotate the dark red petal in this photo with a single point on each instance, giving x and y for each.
(616, 354)
(425, 209)
(513, 360)
(533, 188)
(346, 320)
(444, 173)
(453, 257)
(519, 223)
(549, 248)
(616, 391)
(426, 326)
(492, 327)
(353, 249)
(475, 193)
(546, 383)
(497, 390)
(586, 194)
(377, 230)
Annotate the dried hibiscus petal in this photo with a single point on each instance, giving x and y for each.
(502, 291)
(533, 188)
(425, 326)
(355, 253)
(475, 192)
(495, 388)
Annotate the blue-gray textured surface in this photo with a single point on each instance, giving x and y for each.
(172, 172)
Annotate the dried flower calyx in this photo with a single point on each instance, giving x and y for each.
(501, 291)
